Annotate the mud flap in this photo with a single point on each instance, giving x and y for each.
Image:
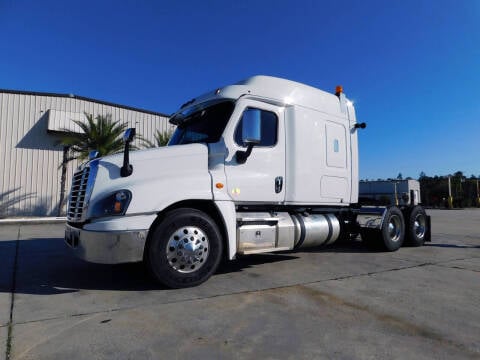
(428, 233)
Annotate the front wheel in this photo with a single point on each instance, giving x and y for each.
(184, 249)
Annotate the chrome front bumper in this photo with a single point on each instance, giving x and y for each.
(106, 247)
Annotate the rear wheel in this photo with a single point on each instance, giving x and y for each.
(184, 249)
(393, 229)
(391, 236)
(416, 227)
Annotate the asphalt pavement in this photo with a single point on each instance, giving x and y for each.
(339, 302)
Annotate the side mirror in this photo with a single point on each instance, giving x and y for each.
(93, 154)
(127, 168)
(129, 134)
(251, 126)
(251, 133)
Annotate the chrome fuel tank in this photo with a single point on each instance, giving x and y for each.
(315, 230)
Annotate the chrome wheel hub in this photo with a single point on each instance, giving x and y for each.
(419, 226)
(394, 228)
(187, 249)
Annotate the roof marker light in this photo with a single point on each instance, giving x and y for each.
(338, 90)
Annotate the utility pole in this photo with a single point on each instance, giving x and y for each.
(450, 198)
(478, 195)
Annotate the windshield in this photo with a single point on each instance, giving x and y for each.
(202, 124)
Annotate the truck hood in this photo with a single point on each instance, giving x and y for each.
(161, 176)
(157, 154)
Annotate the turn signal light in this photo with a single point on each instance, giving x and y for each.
(117, 207)
(219, 185)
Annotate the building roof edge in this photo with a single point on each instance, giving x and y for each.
(71, 96)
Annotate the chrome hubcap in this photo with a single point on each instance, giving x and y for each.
(419, 226)
(187, 249)
(394, 228)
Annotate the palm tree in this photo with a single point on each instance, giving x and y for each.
(161, 139)
(102, 134)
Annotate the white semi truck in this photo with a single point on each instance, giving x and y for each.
(263, 165)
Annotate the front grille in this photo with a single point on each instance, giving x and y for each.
(82, 185)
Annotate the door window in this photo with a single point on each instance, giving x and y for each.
(269, 129)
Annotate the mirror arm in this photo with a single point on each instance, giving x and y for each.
(242, 156)
(127, 168)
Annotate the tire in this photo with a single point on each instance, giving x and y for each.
(393, 229)
(184, 249)
(416, 227)
(392, 234)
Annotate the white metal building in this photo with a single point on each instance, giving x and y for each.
(31, 125)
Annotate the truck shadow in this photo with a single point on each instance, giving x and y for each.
(454, 246)
(352, 247)
(44, 266)
(245, 262)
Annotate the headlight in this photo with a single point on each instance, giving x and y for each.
(114, 204)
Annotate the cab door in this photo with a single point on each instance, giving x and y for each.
(261, 178)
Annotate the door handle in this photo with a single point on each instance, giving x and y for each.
(278, 184)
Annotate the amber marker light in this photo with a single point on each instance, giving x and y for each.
(219, 185)
(339, 89)
(117, 207)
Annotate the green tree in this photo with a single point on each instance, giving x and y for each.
(161, 139)
(102, 134)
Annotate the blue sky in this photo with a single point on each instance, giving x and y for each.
(411, 67)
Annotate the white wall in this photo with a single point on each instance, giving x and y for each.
(30, 157)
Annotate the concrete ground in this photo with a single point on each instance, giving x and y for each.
(342, 302)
